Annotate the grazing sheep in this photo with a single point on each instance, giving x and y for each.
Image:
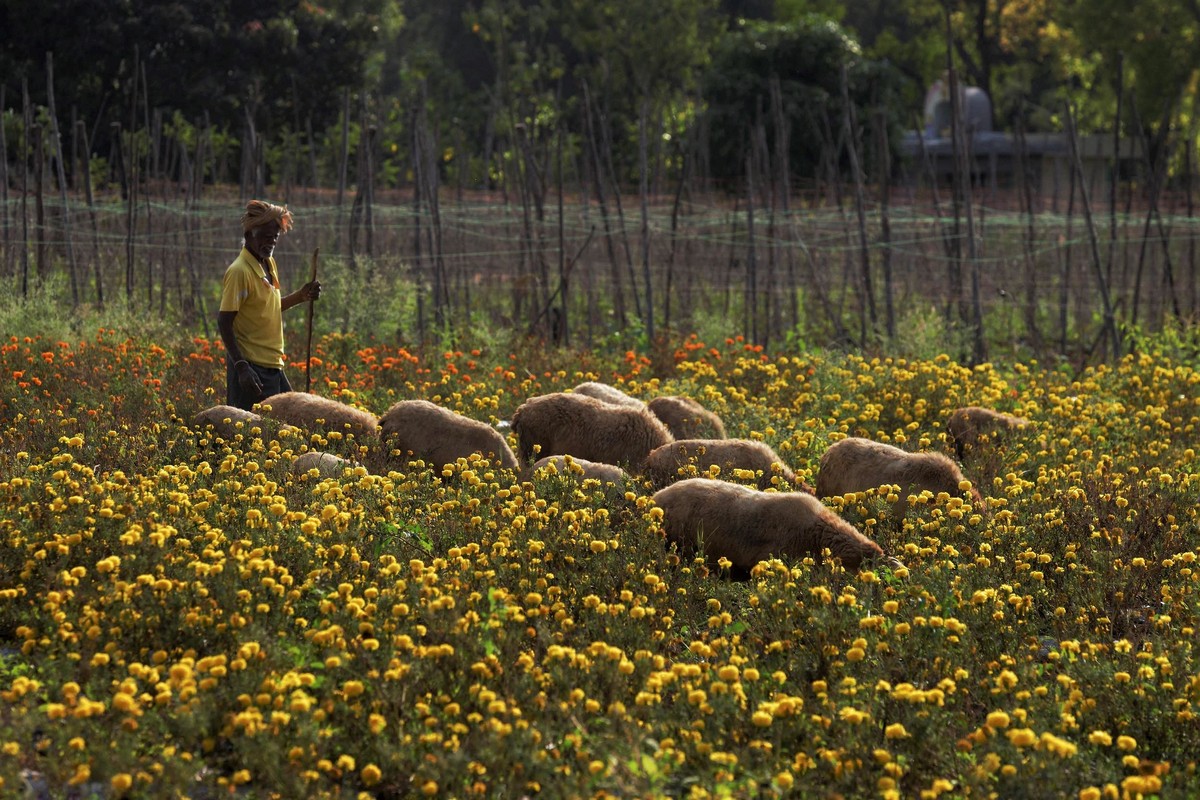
(326, 464)
(747, 526)
(687, 419)
(607, 394)
(669, 463)
(226, 421)
(574, 424)
(313, 413)
(855, 465)
(439, 436)
(583, 469)
(967, 426)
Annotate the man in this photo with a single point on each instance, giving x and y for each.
(251, 315)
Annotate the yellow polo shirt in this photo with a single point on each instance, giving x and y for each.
(258, 326)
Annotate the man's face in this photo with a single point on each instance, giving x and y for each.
(261, 241)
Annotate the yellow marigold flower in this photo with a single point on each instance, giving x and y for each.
(1090, 793)
(1138, 785)
(123, 702)
(121, 782)
(852, 715)
(429, 788)
(855, 654)
(1059, 746)
(370, 775)
(352, 688)
(784, 780)
(346, 762)
(998, 719)
(895, 731)
(376, 722)
(82, 773)
(1022, 737)
(1103, 738)
(1126, 742)
(762, 719)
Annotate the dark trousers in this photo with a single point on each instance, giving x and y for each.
(273, 380)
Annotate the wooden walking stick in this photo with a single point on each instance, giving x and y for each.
(308, 351)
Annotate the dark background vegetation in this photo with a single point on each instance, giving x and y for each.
(608, 169)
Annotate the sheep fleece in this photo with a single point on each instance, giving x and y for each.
(440, 436)
(314, 413)
(687, 419)
(605, 473)
(663, 463)
(747, 526)
(224, 420)
(607, 394)
(855, 465)
(576, 425)
(966, 425)
(327, 465)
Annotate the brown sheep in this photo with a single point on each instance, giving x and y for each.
(574, 424)
(583, 469)
(669, 463)
(747, 526)
(687, 419)
(607, 394)
(440, 436)
(855, 465)
(313, 413)
(326, 464)
(967, 426)
(228, 421)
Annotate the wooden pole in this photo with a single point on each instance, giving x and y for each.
(1110, 324)
(57, 154)
(308, 348)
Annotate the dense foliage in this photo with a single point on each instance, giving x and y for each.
(486, 70)
(182, 615)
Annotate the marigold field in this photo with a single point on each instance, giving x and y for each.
(182, 616)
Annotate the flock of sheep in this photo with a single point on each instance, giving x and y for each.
(611, 436)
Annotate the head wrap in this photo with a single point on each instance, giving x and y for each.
(260, 212)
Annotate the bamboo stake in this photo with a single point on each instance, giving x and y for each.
(1110, 324)
(57, 155)
(308, 349)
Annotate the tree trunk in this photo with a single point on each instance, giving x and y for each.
(57, 153)
(1110, 323)
(618, 294)
(867, 326)
(643, 192)
(5, 229)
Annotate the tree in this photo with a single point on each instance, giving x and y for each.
(805, 58)
(1158, 40)
(201, 57)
